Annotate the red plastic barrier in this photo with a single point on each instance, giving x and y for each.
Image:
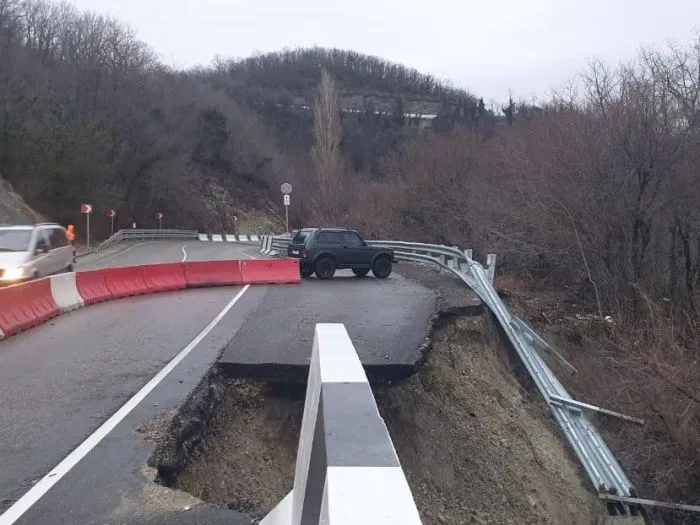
(271, 271)
(126, 281)
(213, 273)
(92, 287)
(40, 299)
(16, 314)
(163, 277)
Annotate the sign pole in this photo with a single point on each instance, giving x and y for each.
(286, 189)
(87, 215)
(112, 227)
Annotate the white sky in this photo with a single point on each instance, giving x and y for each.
(487, 47)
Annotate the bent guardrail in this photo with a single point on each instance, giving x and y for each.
(600, 465)
(342, 477)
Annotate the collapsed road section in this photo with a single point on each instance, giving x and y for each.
(475, 444)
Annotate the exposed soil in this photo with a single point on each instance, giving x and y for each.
(475, 445)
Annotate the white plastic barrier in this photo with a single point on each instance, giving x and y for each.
(230, 238)
(203, 237)
(65, 292)
(243, 238)
(254, 238)
(216, 237)
(347, 471)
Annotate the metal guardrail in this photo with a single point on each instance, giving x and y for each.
(600, 465)
(143, 234)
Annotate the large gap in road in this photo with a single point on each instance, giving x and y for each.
(477, 444)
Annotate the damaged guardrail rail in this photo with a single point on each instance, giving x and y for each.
(603, 470)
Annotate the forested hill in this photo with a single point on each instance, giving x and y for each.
(291, 76)
(88, 114)
(383, 103)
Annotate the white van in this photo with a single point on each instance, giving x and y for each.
(28, 252)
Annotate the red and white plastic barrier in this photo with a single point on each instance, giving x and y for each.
(26, 305)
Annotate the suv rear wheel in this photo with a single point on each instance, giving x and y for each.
(360, 272)
(381, 267)
(306, 271)
(325, 268)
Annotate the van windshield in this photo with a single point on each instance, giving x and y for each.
(14, 240)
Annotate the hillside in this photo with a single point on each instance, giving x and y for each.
(89, 115)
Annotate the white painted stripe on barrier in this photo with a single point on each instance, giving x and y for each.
(2, 334)
(230, 238)
(347, 470)
(340, 365)
(243, 238)
(203, 237)
(65, 292)
(254, 238)
(281, 514)
(376, 495)
(216, 237)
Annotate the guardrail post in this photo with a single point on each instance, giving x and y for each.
(491, 266)
(468, 253)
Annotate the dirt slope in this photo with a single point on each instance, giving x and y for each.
(13, 209)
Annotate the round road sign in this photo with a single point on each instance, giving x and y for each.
(286, 188)
(159, 215)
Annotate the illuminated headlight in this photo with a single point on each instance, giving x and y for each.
(12, 274)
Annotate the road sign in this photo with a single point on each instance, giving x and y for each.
(159, 216)
(286, 188)
(111, 214)
(86, 208)
(286, 200)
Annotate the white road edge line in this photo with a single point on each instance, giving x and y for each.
(184, 253)
(23, 504)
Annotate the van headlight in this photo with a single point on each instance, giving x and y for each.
(13, 274)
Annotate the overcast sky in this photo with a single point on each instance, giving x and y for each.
(487, 47)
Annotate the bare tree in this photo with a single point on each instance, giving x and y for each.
(326, 200)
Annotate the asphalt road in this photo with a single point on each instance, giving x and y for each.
(387, 321)
(61, 381)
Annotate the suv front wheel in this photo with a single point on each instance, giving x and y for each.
(381, 267)
(325, 268)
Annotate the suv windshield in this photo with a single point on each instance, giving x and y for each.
(14, 240)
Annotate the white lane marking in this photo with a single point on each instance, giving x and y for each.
(23, 504)
(184, 253)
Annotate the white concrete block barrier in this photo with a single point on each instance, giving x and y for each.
(347, 471)
(65, 292)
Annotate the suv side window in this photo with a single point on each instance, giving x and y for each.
(352, 239)
(328, 238)
(58, 238)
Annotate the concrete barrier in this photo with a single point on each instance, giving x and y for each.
(26, 305)
(271, 271)
(64, 289)
(347, 471)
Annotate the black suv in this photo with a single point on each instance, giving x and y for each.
(325, 250)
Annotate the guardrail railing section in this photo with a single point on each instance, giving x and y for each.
(341, 476)
(600, 465)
